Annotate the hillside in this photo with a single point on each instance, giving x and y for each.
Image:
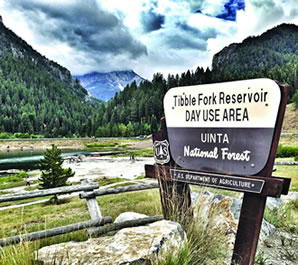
(273, 54)
(137, 110)
(38, 95)
(104, 86)
(290, 123)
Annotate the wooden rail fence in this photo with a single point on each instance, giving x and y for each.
(96, 226)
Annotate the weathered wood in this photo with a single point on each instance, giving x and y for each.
(54, 231)
(48, 192)
(103, 192)
(252, 210)
(93, 208)
(117, 226)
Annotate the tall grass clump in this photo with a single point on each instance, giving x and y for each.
(206, 237)
(21, 254)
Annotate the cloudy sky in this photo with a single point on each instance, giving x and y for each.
(148, 36)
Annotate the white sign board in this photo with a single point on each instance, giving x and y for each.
(224, 127)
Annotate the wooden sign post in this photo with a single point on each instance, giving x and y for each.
(224, 136)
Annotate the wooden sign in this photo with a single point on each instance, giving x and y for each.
(224, 128)
(225, 136)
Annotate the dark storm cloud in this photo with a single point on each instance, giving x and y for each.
(186, 43)
(151, 21)
(83, 25)
(210, 33)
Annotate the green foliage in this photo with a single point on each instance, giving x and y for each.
(101, 145)
(53, 175)
(36, 100)
(5, 135)
(22, 174)
(284, 217)
(107, 181)
(12, 181)
(272, 55)
(287, 151)
(33, 101)
(295, 99)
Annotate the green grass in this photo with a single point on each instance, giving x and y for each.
(284, 217)
(4, 204)
(9, 185)
(288, 172)
(102, 145)
(30, 188)
(107, 181)
(285, 159)
(143, 153)
(148, 152)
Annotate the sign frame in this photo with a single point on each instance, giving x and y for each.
(253, 204)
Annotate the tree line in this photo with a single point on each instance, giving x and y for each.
(35, 102)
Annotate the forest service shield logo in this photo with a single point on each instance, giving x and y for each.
(161, 152)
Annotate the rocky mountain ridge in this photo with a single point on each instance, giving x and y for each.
(105, 85)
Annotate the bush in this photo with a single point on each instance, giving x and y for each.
(295, 99)
(5, 135)
(22, 174)
(22, 135)
(287, 151)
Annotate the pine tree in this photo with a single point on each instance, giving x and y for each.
(52, 173)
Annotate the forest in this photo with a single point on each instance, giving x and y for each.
(35, 101)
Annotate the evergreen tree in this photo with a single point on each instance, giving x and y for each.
(52, 173)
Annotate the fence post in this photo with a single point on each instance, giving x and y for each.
(93, 209)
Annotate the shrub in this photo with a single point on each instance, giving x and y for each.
(287, 151)
(22, 174)
(295, 99)
(5, 135)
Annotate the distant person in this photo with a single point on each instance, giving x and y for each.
(8, 148)
(31, 148)
(27, 181)
(22, 148)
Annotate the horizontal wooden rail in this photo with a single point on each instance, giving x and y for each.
(55, 191)
(54, 231)
(103, 192)
(132, 223)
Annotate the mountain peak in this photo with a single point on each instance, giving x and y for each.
(104, 85)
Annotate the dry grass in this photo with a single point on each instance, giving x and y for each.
(290, 123)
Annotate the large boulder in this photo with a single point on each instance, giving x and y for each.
(223, 212)
(129, 216)
(137, 245)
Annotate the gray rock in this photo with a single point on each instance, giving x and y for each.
(273, 203)
(236, 208)
(267, 229)
(128, 216)
(139, 245)
(194, 197)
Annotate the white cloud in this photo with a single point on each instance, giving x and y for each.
(184, 40)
